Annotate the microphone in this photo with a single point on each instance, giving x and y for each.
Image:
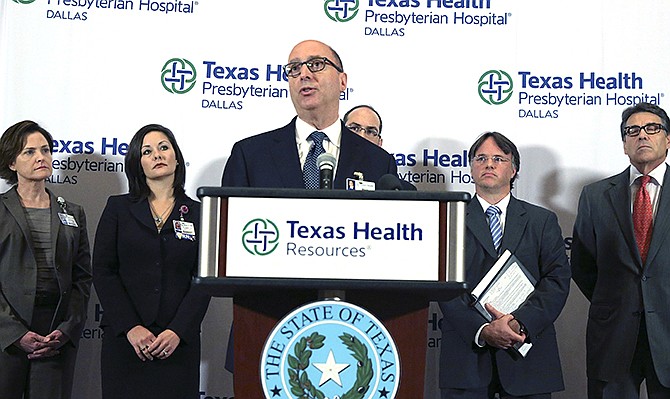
(389, 182)
(326, 163)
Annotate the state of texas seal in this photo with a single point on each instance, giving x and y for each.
(330, 350)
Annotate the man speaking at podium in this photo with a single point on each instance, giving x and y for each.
(286, 157)
(476, 359)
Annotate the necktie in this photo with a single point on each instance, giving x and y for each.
(642, 218)
(493, 212)
(310, 172)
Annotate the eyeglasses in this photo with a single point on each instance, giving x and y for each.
(369, 131)
(316, 64)
(649, 128)
(484, 159)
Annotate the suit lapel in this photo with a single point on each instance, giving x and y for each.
(475, 221)
(284, 157)
(619, 200)
(141, 211)
(13, 204)
(661, 222)
(516, 220)
(55, 224)
(350, 153)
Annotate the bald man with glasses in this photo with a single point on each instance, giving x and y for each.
(285, 157)
(367, 123)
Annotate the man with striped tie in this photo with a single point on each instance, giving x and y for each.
(286, 157)
(475, 359)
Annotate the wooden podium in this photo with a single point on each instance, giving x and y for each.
(260, 301)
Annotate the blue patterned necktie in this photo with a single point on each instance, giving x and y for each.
(493, 212)
(310, 172)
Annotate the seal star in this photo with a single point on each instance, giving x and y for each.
(331, 370)
(276, 391)
(383, 393)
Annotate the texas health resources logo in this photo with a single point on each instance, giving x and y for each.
(330, 349)
(260, 237)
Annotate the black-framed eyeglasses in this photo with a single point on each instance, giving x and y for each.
(316, 64)
(649, 128)
(369, 131)
(483, 159)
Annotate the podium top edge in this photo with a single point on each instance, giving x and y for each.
(444, 196)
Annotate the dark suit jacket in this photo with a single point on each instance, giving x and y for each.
(271, 160)
(407, 185)
(18, 270)
(143, 277)
(531, 233)
(607, 267)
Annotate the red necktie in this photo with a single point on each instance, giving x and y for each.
(642, 218)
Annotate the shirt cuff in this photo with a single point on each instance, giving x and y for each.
(480, 343)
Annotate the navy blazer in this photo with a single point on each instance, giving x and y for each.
(532, 234)
(607, 267)
(18, 270)
(271, 160)
(144, 277)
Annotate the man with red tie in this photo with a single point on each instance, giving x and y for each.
(621, 263)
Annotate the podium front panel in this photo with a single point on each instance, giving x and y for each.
(384, 235)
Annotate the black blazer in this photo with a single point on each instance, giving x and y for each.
(607, 267)
(271, 160)
(143, 277)
(531, 233)
(18, 270)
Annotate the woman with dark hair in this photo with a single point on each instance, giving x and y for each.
(144, 260)
(45, 271)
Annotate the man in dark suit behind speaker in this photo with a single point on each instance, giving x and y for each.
(621, 263)
(366, 122)
(276, 159)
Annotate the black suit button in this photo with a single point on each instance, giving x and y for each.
(644, 278)
(156, 290)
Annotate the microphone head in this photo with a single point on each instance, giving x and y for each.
(326, 161)
(389, 182)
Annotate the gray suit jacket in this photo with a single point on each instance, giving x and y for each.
(18, 270)
(607, 267)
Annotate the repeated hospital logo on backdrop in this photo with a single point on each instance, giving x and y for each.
(330, 349)
(495, 87)
(77, 11)
(341, 10)
(178, 75)
(552, 94)
(399, 18)
(226, 85)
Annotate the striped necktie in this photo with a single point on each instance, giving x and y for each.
(493, 212)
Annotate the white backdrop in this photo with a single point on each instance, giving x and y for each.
(552, 76)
